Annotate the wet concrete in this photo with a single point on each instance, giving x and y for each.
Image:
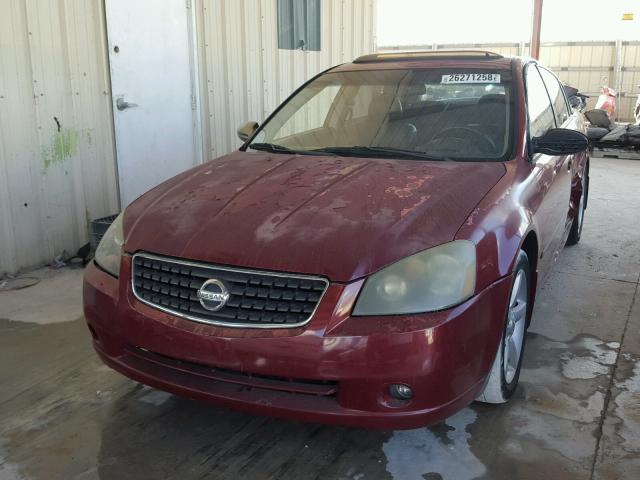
(576, 415)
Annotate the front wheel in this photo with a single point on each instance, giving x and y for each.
(505, 372)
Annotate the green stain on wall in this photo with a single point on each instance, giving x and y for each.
(64, 144)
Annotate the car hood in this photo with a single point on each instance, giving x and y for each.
(343, 218)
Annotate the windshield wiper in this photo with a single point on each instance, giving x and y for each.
(379, 152)
(275, 148)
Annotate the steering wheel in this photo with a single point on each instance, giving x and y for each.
(462, 137)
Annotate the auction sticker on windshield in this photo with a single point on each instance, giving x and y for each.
(471, 78)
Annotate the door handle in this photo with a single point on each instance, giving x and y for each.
(122, 105)
(569, 165)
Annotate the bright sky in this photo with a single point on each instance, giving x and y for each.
(422, 22)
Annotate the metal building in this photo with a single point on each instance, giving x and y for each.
(100, 100)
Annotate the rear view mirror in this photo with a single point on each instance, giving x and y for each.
(246, 130)
(560, 141)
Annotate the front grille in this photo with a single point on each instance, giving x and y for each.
(256, 299)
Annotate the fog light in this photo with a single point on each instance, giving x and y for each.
(400, 392)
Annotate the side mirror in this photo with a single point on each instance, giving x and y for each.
(560, 141)
(246, 130)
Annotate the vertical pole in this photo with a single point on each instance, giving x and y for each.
(617, 77)
(521, 48)
(535, 29)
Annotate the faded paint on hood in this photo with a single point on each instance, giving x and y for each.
(343, 218)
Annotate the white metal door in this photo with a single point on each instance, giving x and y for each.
(152, 86)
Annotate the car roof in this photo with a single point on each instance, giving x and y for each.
(429, 59)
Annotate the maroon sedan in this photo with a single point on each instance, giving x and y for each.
(369, 257)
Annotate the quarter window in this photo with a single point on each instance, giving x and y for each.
(557, 96)
(541, 116)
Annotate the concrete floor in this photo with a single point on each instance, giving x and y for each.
(576, 415)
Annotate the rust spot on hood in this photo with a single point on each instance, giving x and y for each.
(413, 184)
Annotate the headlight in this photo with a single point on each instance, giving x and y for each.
(435, 279)
(109, 249)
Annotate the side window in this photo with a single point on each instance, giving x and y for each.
(539, 108)
(299, 24)
(557, 96)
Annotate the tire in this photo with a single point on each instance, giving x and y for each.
(578, 220)
(505, 371)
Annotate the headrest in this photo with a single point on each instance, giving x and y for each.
(493, 98)
(413, 91)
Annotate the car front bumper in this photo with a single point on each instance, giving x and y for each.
(336, 369)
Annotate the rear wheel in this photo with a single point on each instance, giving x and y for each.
(578, 220)
(505, 372)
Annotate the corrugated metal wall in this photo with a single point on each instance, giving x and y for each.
(244, 76)
(584, 65)
(629, 78)
(57, 164)
(56, 144)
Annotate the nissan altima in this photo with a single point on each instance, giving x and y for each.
(370, 256)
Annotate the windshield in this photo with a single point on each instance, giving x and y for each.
(440, 114)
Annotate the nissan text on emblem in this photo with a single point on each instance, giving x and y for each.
(213, 295)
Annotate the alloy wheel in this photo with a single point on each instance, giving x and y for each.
(513, 339)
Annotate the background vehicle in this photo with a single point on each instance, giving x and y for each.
(369, 257)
